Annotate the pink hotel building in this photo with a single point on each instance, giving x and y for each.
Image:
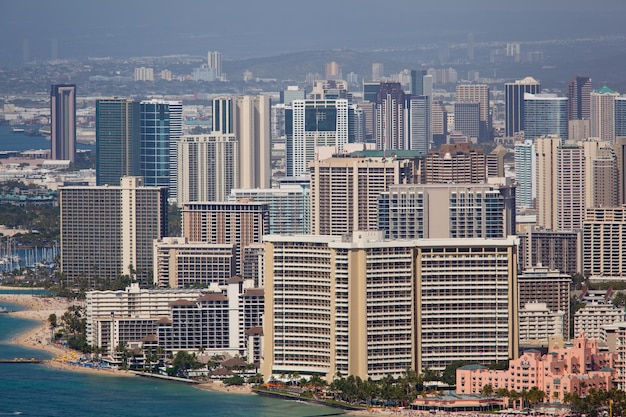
(563, 370)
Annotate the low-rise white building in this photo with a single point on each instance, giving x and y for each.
(593, 316)
(538, 323)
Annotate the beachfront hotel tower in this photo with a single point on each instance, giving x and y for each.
(63, 122)
(338, 304)
(118, 140)
(108, 231)
(365, 306)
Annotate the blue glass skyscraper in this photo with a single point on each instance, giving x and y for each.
(545, 114)
(161, 128)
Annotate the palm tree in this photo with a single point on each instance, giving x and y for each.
(513, 397)
(487, 390)
(535, 395)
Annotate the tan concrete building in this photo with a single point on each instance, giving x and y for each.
(546, 152)
(557, 250)
(571, 186)
(466, 301)
(460, 163)
(604, 243)
(550, 287)
(179, 263)
(368, 307)
(241, 223)
(338, 304)
(207, 167)
(603, 114)
(477, 93)
(345, 191)
(252, 129)
(443, 211)
(107, 231)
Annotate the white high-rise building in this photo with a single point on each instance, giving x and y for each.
(144, 74)
(215, 63)
(419, 123)
(525, 174)
(313, 123)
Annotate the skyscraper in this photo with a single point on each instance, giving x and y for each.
(419, 124)
(161, 128)
(466, 301)
(390, 120)
(459, 163)
(293, 92)
(546, 154)
(603, 114)
(215, 63)
(242, 223)
(333, 71)
(477, 93)
(620, 116)
(544, 114)
(579, 96)
(344, 191)
(118, 140)
(248, 118)
(605, 181)
(63, 121)
(525, 174)
(570, 189)
(514, 102)
(444, 211)
(417, 83)
(467, 119)
(378, 71)
(108, 231)
(252, 129)
(313, 123)
(223, 115)
(208, 167)
(338, 304)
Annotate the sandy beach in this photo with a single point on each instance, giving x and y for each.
(218, 386)
(39, 308)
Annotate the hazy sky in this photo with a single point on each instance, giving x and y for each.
(241, 28)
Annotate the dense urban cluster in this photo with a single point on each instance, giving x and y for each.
(348, 232)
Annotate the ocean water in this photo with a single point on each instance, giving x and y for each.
(37, 390)
(10, 141)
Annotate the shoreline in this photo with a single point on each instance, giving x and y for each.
(38, 308)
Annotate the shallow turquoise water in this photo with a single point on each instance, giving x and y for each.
(36, 390)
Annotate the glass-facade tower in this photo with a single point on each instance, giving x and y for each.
(161, 128)
(118, 140)
(545, 114)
